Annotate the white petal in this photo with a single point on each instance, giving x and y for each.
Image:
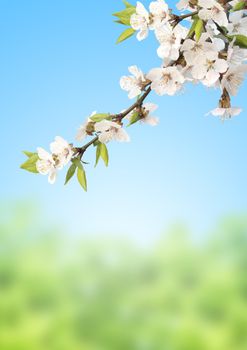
(151, 107)
(105, 137)
(122, 136)
(43, 154)
(199, 71)
(154, 74)
(142, 34)
(211, 77)
(219, 44)
(164, 50)
(153, 121)
(127, 83)
(140, 10)
(52, 176)
(221, 66)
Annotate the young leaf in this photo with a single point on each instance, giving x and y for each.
(81, 176)
(120, 22)
(192, 29)
(199, 28)
(240, 40)
(70, 172)
(240, 6)
(98, 150)
(134, 118)
(104, 153)
(127, 4)
(29, 154)
(30, 164)
(124, 16)
(125, 35)
(99, 117)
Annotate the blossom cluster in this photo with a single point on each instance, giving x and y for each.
(211, 52)
(205, 44)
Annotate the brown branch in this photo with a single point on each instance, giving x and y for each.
(138, 103)
(79, 151)
(178, 19)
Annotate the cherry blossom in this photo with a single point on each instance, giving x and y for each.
(159, 13)
(46, 165)
(233, 78)
(147, 118)
(208, 67)
(133, 84)
(170, 40)
(211, 9)
(111, 131)
(237, 24)
(63, 151)
(140, 21)
(166, 81)
(85, 129)
(225, 113)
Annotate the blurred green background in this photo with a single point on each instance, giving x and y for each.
(101, 293)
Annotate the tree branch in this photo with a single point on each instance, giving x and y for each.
(117, 117)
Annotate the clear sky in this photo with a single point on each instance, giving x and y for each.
(58, 63)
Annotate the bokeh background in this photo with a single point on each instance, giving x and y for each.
(154, 255)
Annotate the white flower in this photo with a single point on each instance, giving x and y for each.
(195, 51)
(133, 84)
(170, 40)
(49, 163)
(110, 131)
(166, 80)
(82, 132)
(159, 13)
(225, 113)
(211, 9)
(63, 150)
(184, 5)
(147, 109)
(211, 28)
(233, 78)
(192, 49)
(140, 21)
(235, 55)
(46, 165)
(208, 67)
(238, 23)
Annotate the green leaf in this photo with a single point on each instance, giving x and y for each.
(98, 151)
(102, 152)
(124, 16)
(30, 164)
(199, 28)
(29, 154)
(99, 117)
(120, 22)
(125, 35)
(240, 6)
(134, 118)
(127, 4)
(77, 162)
(192, 29)
(240, 40)
(70, 173)
(81, 176)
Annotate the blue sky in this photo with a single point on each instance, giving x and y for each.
(58, 63)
